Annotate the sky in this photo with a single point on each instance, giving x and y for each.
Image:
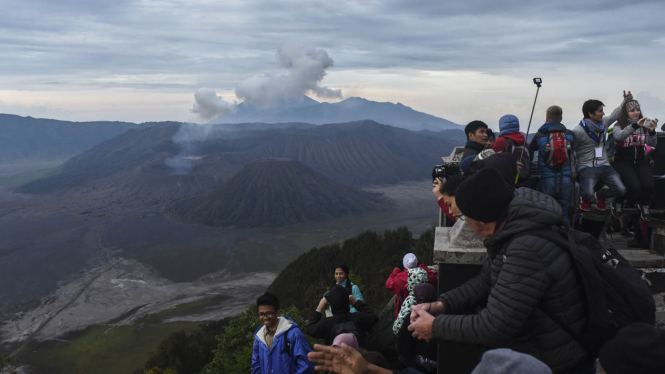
(144, 60)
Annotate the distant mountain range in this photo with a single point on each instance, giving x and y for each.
(352, 109)
(276, 192)
(27, 138)
(133, 167)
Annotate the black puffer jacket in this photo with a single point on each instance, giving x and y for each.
(521, 278)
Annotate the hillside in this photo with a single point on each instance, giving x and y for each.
(352, 109)
(276, 192)
(27, 138)
(135, 163)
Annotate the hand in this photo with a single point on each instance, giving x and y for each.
(574, 176)
(436, 188)
(352, 299)
(342, 360)
(519, 166)
(627, 96)
(421, 324)
(434, 308)
(642, 121)
(322, 304)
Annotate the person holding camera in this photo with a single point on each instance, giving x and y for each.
(632, 134)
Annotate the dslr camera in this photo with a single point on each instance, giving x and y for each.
(439, 171)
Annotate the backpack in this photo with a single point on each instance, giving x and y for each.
(616, 293)
(516, 150)
(346, 327)
(287, 345)
(557, 151)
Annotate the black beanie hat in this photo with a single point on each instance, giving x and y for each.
(338, 298)
(484, 196)
(636, 348)
(505, 164)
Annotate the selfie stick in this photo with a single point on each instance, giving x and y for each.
(538, 82)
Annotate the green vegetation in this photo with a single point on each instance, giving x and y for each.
(102, 349)
(8, 365)
(302, 283)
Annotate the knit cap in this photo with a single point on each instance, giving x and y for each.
(348, 339)
(636, 348)
(506, 361)
(410, 261)
(484, 196)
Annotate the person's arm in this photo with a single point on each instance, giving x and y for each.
(300, 349)
(499, 144)
(621, 134)
(470, 294)
(319, 328)
(365, 316)
(614, 116)
(355, 290)
(518, 290)
(256, 363)
(652, 138)
(533, 145)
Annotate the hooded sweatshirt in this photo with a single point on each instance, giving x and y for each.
(631, 142)
(287, 354)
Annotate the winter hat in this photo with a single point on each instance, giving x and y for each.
(424, 293)
(508, 124)
(338, 298)
(506, 361)
(410, 261)
(484, 196)
(348, 339)
(466, 163)
(636, 348)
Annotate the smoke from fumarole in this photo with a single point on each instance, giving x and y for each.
(306, 68)
(208, 105)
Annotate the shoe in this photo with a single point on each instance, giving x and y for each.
(644, 212)
(585, 205)
(626, 234)
(600, 203)
(616, 209)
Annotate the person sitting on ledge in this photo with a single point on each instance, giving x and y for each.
(342, 279)
(342, 320)
(524, 280)
(397, 281)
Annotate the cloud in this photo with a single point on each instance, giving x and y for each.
(306, 68)
(208, 105)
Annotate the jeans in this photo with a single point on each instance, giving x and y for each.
(560, 188)
(638, 179)
(589, 176)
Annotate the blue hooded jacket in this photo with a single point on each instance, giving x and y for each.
(539, 142)
(280, 359)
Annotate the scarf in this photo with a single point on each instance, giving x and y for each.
(596, 131)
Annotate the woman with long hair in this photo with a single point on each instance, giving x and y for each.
(632, 133)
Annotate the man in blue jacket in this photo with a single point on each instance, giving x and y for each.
(554, 162)
(279, 346)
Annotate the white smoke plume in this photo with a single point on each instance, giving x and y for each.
(306, 68)
(208, 105)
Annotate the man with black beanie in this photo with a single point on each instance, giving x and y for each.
(636, 349)
(342, 320)
(525, 282)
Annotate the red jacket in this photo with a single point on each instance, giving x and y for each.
(396, 283)
(500, 142)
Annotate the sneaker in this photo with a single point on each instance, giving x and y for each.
(644, 212)
(585, 205)
(616, 209)
(626, 234)
(600, 204)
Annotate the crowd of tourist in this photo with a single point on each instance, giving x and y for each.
(542, 301)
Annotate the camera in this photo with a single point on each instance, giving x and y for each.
(439, 171)
(537, 81)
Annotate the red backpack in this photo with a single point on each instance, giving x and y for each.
(557, 151)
